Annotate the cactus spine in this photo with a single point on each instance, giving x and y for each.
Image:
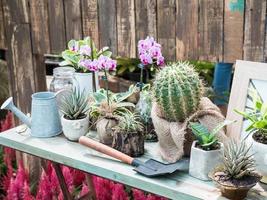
(178, 90)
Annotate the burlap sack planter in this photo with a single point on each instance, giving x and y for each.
(105, 131)
(175, 139)
(131, 143)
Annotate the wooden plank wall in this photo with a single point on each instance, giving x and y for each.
(214, 30)
(223, 30)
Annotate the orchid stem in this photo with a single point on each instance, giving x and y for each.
(106, 84)
(141, 79)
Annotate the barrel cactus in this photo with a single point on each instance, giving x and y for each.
(177, 91)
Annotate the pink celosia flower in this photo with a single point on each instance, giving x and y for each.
(85, 50)
(84, 190)
(78, 177)
(138, 194)
(119, 192)
(26, 192)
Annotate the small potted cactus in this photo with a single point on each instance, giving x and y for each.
(257, 116)
(206, 150)
(128, 135)
(177, 100)
(237, 175)
(75, 119)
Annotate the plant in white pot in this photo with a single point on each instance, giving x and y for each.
(257, 116)
(75, 119)
(83, 56)
(206, 150)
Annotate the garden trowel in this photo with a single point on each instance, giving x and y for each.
(149, 168)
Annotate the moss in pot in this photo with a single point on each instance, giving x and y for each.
(237, 175)
(206, 150)
(75, 120)
(128, 135)
(257, 116)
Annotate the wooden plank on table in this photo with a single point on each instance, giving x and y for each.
(39, 26)
(254, 33)
(90, 20)
(126, 28)
(146, 19)
(166, 27)
(233, 30)
(186, 29)
(107, 24)
(211, 30)
(2, 30)
(73, 19)
(56, 23)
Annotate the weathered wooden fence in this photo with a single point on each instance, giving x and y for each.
(223, 30)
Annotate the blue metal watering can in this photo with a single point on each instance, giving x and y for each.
(45, 120)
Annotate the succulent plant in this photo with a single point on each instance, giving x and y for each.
(238, 162)
(74, 105)
(129, 122)
(178, 90)
(207, 139)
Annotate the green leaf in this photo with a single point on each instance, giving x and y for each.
(121, 70)
(220, 126)
(200, 131)
(245, 115)
(71, 43)
(65, 63)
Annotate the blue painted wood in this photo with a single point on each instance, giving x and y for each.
(176, 186)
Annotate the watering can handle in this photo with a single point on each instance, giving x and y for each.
(105, 150)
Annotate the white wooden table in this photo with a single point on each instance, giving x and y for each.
(176, 186)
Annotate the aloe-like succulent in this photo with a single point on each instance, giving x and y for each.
(237, 160)
(129, 122)
(207, 139)
(177, 90)
(74, 105)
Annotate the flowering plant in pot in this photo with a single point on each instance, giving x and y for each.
(83, 56)
(237, 175)
(206, 150)
(257, 116)
(128, 135)
(106, 115)
(75, 120)
(177, 100)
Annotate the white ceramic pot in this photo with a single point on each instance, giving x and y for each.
(260, 156)
(74, 129)
(203, 162)
(85, 81)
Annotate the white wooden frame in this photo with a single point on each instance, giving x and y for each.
(244, 72)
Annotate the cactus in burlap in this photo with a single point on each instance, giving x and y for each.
(177, 91)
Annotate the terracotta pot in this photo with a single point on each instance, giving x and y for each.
(104, 129)
(260, 157)
(203, 162)
(131, 144)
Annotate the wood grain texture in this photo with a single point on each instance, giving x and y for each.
(90, 20)
(73, 19)
(57, 32)
(176, 186)
(107, 24)
(254, 33)
(210, 30)
(39, 26)
(2, 30)
(166, 27)
(233, 30)
(126, 28)
(145, 19)
(186, 29)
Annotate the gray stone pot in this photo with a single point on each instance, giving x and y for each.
(260, 157)
(105, 131)
(203, 162)
(74, 129)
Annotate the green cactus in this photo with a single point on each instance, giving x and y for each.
(178, 90)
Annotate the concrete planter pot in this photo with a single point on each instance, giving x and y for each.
(85, 82)
(203, 162)
(74, 129)
(260, 156)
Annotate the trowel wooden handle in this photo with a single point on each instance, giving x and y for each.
(105, 149)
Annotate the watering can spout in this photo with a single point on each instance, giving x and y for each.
(9, 105)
